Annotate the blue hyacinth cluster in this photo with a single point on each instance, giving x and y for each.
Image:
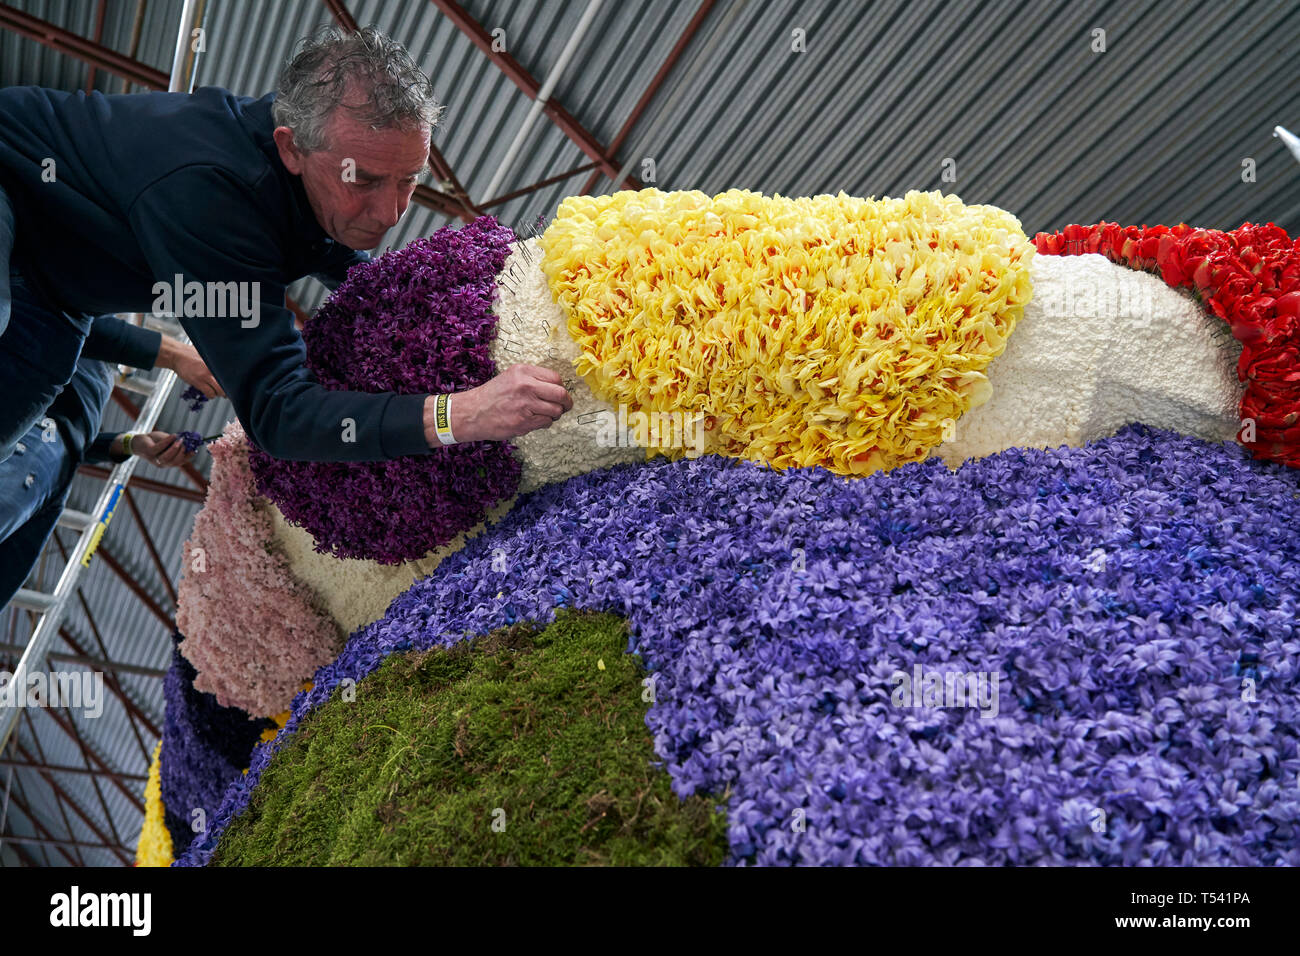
(1136, 599)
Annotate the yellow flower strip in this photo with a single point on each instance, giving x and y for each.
(280, 720)
(155, 846)
(832, 330)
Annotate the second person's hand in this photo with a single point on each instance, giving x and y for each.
(160, 448)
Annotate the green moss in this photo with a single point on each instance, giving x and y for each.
(414, 770)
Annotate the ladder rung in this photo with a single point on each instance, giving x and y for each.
(72, 518)
(32, 600)
(163, 323)
(140, 386)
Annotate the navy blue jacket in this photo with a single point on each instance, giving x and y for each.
(78, 419)
(147, 186)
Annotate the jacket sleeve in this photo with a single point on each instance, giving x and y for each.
(199, 225)
(332, 278)
(100, 450)
(114, 340)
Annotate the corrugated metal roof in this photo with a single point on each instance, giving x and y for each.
(1153, 130)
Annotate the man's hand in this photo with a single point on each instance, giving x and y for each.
(160, 448)
(519, 400)
(185, 362)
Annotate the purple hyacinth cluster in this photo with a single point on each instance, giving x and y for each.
(196, 398)
(205, 746)
(1137, 599)
(415, 320)
(191, 440)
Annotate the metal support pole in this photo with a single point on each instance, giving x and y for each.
(184, 66)
(4, 808)
(543, 95)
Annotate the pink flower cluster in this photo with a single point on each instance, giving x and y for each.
(252, 630)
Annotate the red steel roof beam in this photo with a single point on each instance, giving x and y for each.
(112, 682)
(94, 663)
(99, 36)
(77, 771)
(127, 792)
(94, 783)
(669, 62)
(129, 579)
(146, 484)
(341, 15)
(54, 785)
(539, 185)
(41, 828)
(468, 211)
(526, 82)
(40, 751)
(57, 38)
(148, 543)
(437, 201)
(41, 841)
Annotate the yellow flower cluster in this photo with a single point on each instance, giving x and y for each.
(280, 719)
(835, 331)
(155, 846)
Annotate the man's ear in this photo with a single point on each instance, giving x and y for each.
(290, 155)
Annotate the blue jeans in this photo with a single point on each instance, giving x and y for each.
(6, 247)
(39, 347)
(34, 483)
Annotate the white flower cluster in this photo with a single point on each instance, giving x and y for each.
(531, 331)
(1102, 345)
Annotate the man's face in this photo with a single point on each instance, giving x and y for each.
(360, 184)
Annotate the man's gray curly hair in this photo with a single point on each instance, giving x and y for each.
(332, 62)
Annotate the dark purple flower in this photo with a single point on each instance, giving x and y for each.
(205, 747)
(415, 320)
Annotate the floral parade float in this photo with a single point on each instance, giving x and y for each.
(898, 441)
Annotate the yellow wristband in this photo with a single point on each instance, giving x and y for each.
(126, 444)
(442, 419)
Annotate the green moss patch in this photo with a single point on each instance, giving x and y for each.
(512, 748)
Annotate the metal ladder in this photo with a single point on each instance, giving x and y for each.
(53, 607)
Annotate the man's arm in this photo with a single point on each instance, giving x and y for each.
(115, 340)
(202, 226)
